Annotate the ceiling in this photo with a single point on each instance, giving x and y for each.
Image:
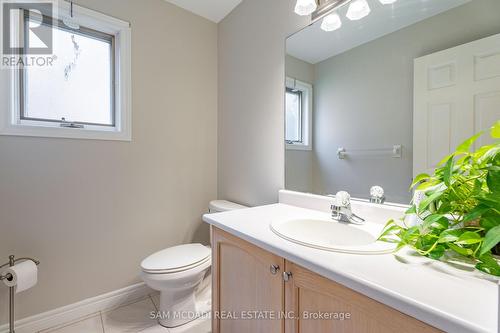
(314, 45)
(214, 10)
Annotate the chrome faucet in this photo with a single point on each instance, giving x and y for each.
(342, 211)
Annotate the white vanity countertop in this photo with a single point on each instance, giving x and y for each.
(450, 299)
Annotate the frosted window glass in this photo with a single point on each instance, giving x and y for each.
(78, 85)
(293, 131)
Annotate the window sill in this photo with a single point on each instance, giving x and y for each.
(298, 147)
(111, 134)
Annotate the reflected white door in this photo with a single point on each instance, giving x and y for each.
(457, 94)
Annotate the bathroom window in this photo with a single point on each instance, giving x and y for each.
(298, 105)
(83, 88)
(79, 87)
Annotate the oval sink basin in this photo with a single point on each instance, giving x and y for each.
(334, 236)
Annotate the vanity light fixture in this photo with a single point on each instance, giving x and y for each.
(305, 7)
(357, 10)
(331, 22)
(387, 2)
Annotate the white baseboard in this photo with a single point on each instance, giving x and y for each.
(81, 309)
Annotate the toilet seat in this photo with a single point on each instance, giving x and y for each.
(176, 259)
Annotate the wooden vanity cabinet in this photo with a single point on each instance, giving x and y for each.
(248, 279)
(308, 293)
(245, 278)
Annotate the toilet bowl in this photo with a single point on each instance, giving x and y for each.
(179, 273)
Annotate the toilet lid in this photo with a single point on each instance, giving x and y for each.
(219, 206)
(176, 258)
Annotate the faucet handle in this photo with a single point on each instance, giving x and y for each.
(377, 194)
(342, 199)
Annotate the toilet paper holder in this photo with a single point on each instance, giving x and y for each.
(12, 262)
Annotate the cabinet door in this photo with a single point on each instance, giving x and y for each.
(308, 295)
(244, 282)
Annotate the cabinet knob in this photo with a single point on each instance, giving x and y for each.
(287, 276)
(274, 269)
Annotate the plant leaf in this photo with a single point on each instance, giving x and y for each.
(489, 220)
(487, 154)
(495, 130)
(464, 147)
(419, 178)
(400, 246)
(489, 269)
(428, 200)
(438, 252)
(411, 210)
(491, 239)
(448, 171)
(460, 250)
(409, 235)
(427, 184)
(436, 221)
(443, 161)
(476, 213)
(450, 235)
(488, 265)
(389, 230)
(478, 187)
(493, 179)
(491, 200)
(468, 238)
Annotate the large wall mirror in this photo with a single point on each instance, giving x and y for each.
(381, 91)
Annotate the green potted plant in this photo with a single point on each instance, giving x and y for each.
(459, 210)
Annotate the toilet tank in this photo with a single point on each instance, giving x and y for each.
(219, 206)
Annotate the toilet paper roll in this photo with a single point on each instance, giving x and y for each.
(24, 276)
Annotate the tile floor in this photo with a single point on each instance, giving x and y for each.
(131, 318)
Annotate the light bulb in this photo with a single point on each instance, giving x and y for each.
(305, 7)
(387, 2)
(357, 10)
(331, 22)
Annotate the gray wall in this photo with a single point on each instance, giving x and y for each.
(299, 163)
(251, 101)
(364, 99)
(92, 210)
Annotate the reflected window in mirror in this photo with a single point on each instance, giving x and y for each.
(298, 106)
(293, 116)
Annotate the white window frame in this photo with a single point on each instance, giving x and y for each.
(10, 94)
(307, 108)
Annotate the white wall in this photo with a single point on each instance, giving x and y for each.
(251, 99)
(92, 210)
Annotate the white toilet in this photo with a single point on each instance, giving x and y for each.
(179, 273)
